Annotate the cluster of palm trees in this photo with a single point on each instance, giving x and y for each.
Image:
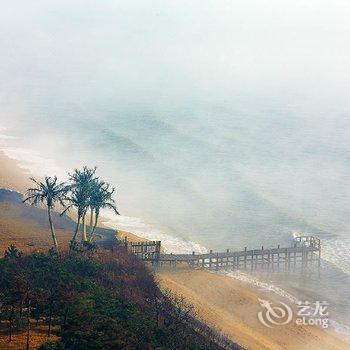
(84, 192)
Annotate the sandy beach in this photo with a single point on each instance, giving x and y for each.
(222, 302)
(232, 307)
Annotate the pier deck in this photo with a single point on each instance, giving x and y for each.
(305, 251)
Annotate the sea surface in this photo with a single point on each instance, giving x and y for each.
(219, 126)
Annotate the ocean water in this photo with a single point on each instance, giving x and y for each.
(221, 125)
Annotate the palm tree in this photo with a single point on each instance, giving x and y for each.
(48, 192)
(95, 188)
(79, 197)
(100, 197)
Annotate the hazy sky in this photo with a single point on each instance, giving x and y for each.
(170, 51)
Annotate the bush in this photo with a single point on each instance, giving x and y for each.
(108, 300)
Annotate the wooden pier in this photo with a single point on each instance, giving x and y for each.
(305, 252)
(145, 250)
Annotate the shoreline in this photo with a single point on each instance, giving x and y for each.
(237, 318)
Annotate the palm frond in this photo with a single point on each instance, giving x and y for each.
(111, 206)
(66, 209)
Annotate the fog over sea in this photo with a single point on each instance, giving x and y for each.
(222, 124)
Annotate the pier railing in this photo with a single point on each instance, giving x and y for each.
(305, 251)
(145, 250)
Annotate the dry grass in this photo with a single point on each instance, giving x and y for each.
(25, 233)
(38, 336)
(27, 227)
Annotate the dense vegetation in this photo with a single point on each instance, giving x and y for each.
(95, 299)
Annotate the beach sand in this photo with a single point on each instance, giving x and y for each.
(222, 302)
(232, 307)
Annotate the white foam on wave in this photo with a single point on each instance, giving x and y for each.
(139, 227)
(260, 285)
(336, 251)
(33, 162)
(28, 159)
(4, 136)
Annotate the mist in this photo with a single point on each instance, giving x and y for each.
(225, 118)
(167, 53)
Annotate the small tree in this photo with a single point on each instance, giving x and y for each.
(49, 193)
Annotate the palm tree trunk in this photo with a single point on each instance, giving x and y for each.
(84, 238)
(52, 230)
(94, 228)
(91, 221)
(75, 233)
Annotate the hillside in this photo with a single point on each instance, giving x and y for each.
(103, 299)
(27, 226)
